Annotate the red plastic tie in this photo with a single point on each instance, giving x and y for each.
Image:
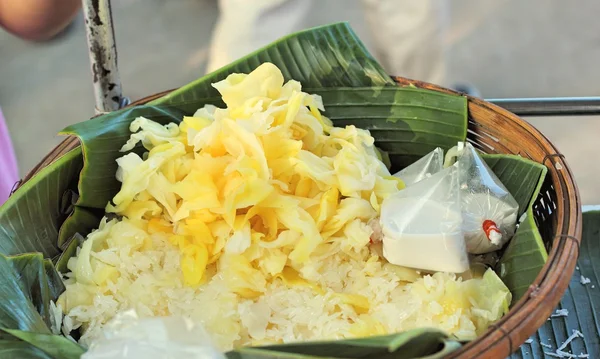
(489, 226)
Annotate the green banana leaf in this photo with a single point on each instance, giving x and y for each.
(38, 281)
(259, 353)
(30, 219)
(70, 248)
(321, 57)
(581, 301)
(55, 283)
(17, 308)
(54, 345)
(418, 343)
(102, 138)
(26, 289)
(14, 348)
(406, 122)
(331, 61)
(525, 255)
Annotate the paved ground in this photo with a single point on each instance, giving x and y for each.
(507, 48)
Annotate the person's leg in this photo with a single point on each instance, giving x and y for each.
(9, 174)
(246, 25)
(408, 37)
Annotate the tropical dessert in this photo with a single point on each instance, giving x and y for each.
(256, 220)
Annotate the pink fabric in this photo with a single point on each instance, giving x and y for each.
(9, 174)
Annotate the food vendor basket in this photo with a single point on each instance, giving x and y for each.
(557, 213)
(494, 130)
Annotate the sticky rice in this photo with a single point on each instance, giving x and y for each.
(253, 220)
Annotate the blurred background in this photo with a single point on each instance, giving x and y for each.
(505, 48)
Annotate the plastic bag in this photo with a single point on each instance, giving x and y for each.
(421, 226)
(489, 210)
(425, 167)
(128, 337)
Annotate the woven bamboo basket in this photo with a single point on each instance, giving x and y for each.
(557, 212)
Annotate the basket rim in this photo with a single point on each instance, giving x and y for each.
(530, 312)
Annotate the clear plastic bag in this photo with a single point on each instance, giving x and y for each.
(489, 210)
(129, 337)
(421, 226)
(425, 167)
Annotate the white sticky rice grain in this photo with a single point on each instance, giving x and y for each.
(151, 283)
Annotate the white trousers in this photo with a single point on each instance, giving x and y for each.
(407, 34)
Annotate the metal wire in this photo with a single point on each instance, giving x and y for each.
(553, 106)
